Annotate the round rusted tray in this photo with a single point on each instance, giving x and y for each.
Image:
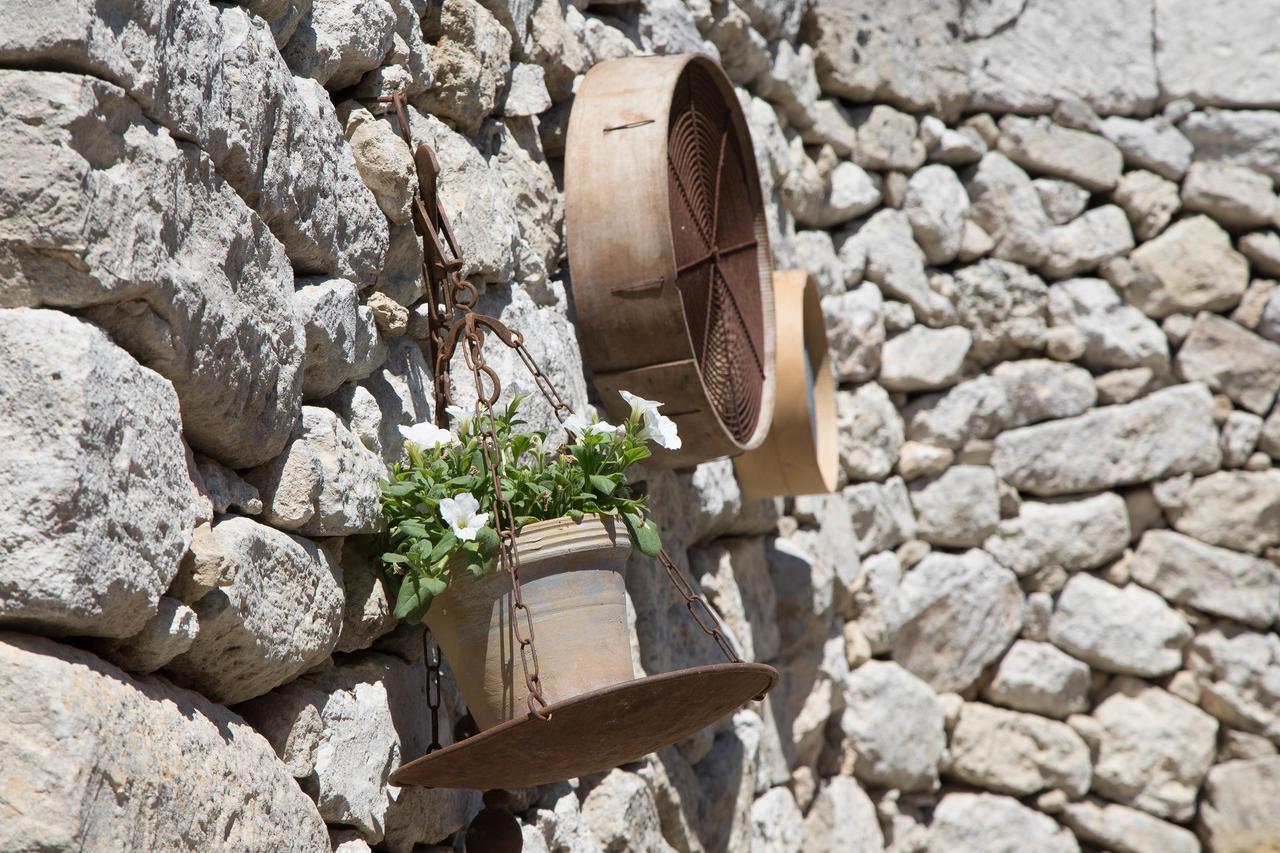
(592, 732)
(800, 455)
(669, 250)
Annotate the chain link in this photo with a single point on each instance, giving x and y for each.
(452, 320)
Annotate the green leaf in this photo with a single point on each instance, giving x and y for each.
(487, 539)
(446, 544)
(416, 593)
(644, 534)
(391, 557)
(602, 484)
(575, 514)
(398, 490)
(412, 528)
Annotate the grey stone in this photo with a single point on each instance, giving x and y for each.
(1153, 144)
(1238, 813)
(1153, 749)
(819, 197)
(958, 614)
(893, 722)
(1235, 196)
(790, 83)
(1234, 509)
(958, 508)
(734, 576)
(855, 332)
(726, 779)
(1192, 268)
(366, 609)
(1262, 248)
(527, 94)
(1063, 201)
(1028, 67)
(1240, 433)
(936, 204)
(870, 432)
(100, 504)
(397, 394)
(1236, 671)
(917, 459)
(777, 824)
(203, 779)
(816, 253)
(147, 240)
(1245, 137)
(842, 817)
(887, 139)
(1005, 204)
(896, 264)
(993, 823)
(1127, 630)
(1233, 360)
(1125, 830)
(1082, 244)
(902, 54)
(1168, 432)
(832, 125)
(1019, 754)
(1148, 200)
(924, 359)
(384, 162)
(337, 41)
(1116, 334)
(1039, 145)
(225, 488)
(269, 607)
(1189, 33)
(469, 64)
(166, 635)
(342, 340)
(1003, 305)
(953, 147)
(744, 53)
(1038, 678)
(1074, 535)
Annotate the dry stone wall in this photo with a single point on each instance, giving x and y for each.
(1039, 615)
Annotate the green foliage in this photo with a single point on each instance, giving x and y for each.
(585, 476)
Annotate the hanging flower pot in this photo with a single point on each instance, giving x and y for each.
(571, 575)
(800, 455)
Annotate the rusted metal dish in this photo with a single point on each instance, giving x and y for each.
(592, 732)
(669, 250)
(800, 455)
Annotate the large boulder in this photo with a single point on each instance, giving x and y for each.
(1190, 267)
(893, 721)
(212, 74)
(1219, 581)
(1126, 630)
(993, 823)
(1040, 679)
(144, 235)
(1074, 535)
(1238, 672)
(269, 607)
(1238, 813)
(1126, 830)
(1166, 433)
(1189, 32)
(1019, 754)
(93, 759)
(100, 505)
(1229, 358)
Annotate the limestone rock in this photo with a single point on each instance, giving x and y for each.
(842, 817)
(958, 508)
(1075, 535)
(538, 206)
(1003, 305)
(469, 64)
(894, 723)
(896, 264)
(166, 635)
(870, 432)
(1153, 144)
(204, 778)
(366, 610)
(1236, 671)
(1168, 432)
(100, 504)
(1005, 204)
(1148, 200)
(1063, 201)
(1235, 196)
(212, 75)
(1234, 509)
(325, 483)
(1231, 359)
(726, 778)
(790, 83)
(816, 253)
(777, 824)
(887, 139)
(936, 203)
(1262, 248)
(1082, 244)
(1188, 33)
(855, 332)
(1128, 630)
(1246, 137)
(832, 125)
(225, 488)
(149, 241)
(1018, 754)
(385, 164)
(1125, 830)
(923, 359)
(1038, 678)
(342, 340)
(917, 459)
(819, 200)
(1237, 813)
(1027, 67)
(992, 823)
(734, 576)
(337, 41)
(272, 609)
(1192, 267)
(1116, 335)
(958, 614)
(1153, 749)
(397, 394)
(1240, 433)
(953, 147)
(866, 51)
(744, 53)
(1039, 145)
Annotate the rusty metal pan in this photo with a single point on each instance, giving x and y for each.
(592, 732)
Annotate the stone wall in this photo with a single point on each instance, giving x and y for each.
(1039, 615)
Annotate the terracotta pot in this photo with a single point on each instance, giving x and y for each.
(571, 578)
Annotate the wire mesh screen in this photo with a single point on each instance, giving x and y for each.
(716, 249)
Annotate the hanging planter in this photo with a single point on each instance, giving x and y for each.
(494, 535)
(800, 455)
(669, 250)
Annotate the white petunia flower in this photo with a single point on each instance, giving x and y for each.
(582, 425)
(461, 515)
(428, 436)
(462, 416)
(658, 428)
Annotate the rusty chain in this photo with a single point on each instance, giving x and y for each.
(453, 320)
